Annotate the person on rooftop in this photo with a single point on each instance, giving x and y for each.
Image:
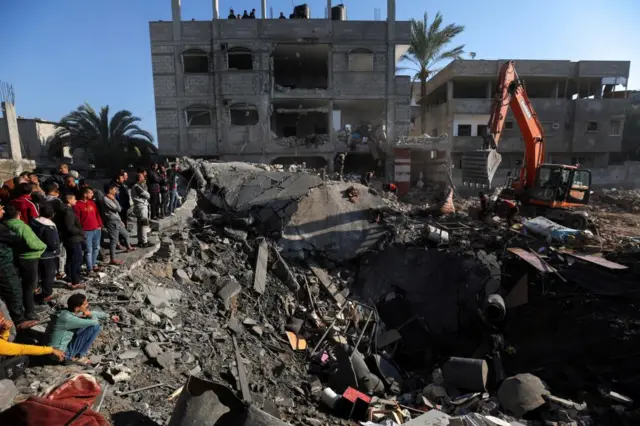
(232, 14)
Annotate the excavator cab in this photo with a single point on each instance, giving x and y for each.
(560, 186)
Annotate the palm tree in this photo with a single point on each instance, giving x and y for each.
(111, 143)
(428, 47)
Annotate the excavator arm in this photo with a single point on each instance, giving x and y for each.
(479, 167)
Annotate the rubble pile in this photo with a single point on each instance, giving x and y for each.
(293, 300)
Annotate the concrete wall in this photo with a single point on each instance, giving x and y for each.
(176, 91)
(34, 136)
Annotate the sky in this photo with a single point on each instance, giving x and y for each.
(58, 54)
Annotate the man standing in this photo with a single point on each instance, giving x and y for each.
(164, 191)
(140, 197)
(174, 176)
(91, 222)
(70, 186)
(10, 287)
(114, 225)
(60, 177)
(122, 196)
(154, 191)
(24, 204)
(28, 252)
(72, 236)
(47, 232)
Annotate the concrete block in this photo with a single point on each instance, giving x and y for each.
(431, 418)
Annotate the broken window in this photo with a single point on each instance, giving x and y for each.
(298, 66)
(361, 60)
(198, 116)
(243, 115)
(433, 154)
(239, 58)
(592, 126)
(482, 129)
(508, 124)
(615, 128)
(195, 61)
(464, 129)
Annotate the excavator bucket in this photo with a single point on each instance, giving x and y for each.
(479, 167)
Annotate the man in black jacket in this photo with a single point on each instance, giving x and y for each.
(153, 180)
(52, 197)
(46, 230)
(60, 176)
(72, 237)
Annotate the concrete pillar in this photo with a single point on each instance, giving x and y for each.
(556, 90)
(11, 120)
(176, 13)
(264, 9)
(489, 91)
(402, 170)
(390, 86)
(216, 9)
(449, 90)
(329, 9)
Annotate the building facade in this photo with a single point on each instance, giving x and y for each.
(576, 102)
(283, 90)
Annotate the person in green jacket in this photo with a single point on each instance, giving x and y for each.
(74, 329)
(27, 253)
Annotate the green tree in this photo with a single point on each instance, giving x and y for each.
(428, 47)
(111, 143)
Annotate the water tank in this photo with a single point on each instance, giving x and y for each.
(302, 11)
(339, 13)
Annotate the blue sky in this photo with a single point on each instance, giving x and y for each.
(61, 53)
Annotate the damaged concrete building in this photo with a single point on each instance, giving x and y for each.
(576, 102)
(278, 90)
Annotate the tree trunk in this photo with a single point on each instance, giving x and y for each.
(423, 105)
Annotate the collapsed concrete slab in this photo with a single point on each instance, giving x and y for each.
(309, 215)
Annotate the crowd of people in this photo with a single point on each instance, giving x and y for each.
(49, 231)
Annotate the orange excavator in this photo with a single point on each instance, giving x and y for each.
(550, 190)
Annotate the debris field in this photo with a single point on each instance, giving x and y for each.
(291, 298)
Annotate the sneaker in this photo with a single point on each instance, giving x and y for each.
(146, 245)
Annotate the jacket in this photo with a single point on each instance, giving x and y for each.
(30, 247)
(173, 178)
(69, 227)
(8, 240)
(89, 215)
(154, 180)
(164, 183)
(26, 207)
(140, 197)
(47, 232)
(64, 324)
(57, 178)
(14, 349)
(56, 203)
(111, 209)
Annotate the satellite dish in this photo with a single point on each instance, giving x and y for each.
(473, 55)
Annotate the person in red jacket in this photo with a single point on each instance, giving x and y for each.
(91, 222)
(24, 204)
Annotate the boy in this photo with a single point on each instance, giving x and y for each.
(91, 221)
(72, 237)
(74, 329)
(140, 197)
(28, 254)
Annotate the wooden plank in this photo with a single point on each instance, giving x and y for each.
(532, 260)
(260, 273)
(326, 282)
